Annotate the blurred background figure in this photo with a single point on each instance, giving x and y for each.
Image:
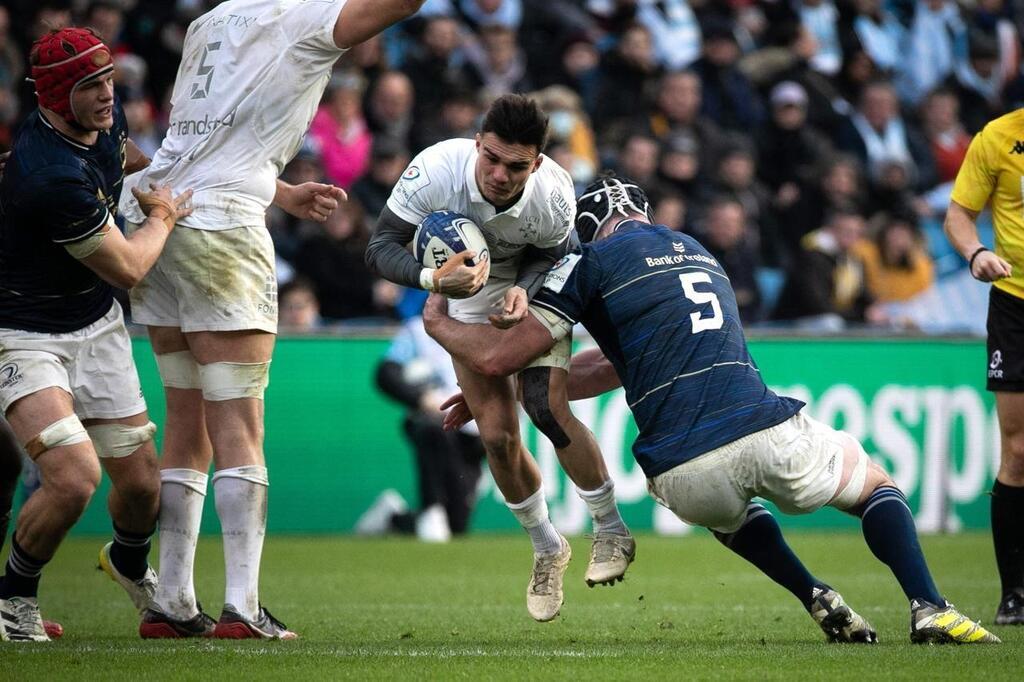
(299, 310)
(495, 65)
(417, 373)
(724, 233)
(389, 107)
(388, 159)
(569, 125)
(877, 134)
(897, 266)
(826, 288)
(333, 261)
(342, 137)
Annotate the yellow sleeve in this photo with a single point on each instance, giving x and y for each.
(977, 177)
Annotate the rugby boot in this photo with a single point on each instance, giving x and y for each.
(933, 624)
(158, 625)
(544, 593)
(1011, 609)
(233, 625)
(610, 556)
(838, 621)
(140, 591)
(20, 620)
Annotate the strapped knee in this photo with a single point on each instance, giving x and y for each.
(119, 440)
(66, 431)
(536, 402)
(231, 380)
(178, 370)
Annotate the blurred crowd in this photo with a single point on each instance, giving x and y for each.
(810, 144)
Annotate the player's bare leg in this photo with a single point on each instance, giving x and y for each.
(493, 403)
(546, 400)
(233, 369)
(69, 473)
(1008, 508)
(10, 470)
(127, 454)
(186, 457)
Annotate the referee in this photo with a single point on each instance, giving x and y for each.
(994, 172)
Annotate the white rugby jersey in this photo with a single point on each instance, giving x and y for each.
(251, 76)
(442, 178)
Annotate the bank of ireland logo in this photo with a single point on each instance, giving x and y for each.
(678, 247)
(9, 375)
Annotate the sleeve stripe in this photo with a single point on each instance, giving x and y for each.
(556, 311)
(88, 233)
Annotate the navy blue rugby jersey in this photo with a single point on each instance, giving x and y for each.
(663, 312)
(56, 191)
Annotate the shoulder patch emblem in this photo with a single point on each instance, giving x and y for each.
(559, 273)
(413, 180)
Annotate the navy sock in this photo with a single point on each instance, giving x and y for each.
(23, 572)
(129, 553)
(1008, 534)
(889, 530)
(760, 542)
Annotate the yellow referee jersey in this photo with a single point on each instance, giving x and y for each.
(994, 169)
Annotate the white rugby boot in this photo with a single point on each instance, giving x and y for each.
(544, 593)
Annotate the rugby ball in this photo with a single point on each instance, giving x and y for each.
(443, 234)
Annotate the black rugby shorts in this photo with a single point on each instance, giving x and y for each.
(1005, 342)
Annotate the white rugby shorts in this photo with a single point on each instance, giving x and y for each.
(93, 364)
(490, 300)
(205, 280)
(797, 465)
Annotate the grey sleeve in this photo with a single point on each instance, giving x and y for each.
(537, 262)
(386, 254)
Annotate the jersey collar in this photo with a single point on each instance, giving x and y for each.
(74, 143)
(476, 197)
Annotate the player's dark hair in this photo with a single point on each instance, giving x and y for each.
(517, 119)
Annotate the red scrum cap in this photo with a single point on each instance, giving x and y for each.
(62, 61)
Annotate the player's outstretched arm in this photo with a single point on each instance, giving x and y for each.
(123, 261)
(360, 20)
(485, 349)
(962, 231)
(591, 374)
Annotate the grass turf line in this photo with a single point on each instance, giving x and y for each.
(396, 608)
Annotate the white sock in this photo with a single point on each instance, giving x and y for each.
(182, 493)
(603, 510)
(241, 497)
(533, 515)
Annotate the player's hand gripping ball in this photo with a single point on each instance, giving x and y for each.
(439, 238)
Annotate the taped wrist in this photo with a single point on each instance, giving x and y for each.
(427, 279)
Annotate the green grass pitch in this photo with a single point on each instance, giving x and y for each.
(395, 608)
